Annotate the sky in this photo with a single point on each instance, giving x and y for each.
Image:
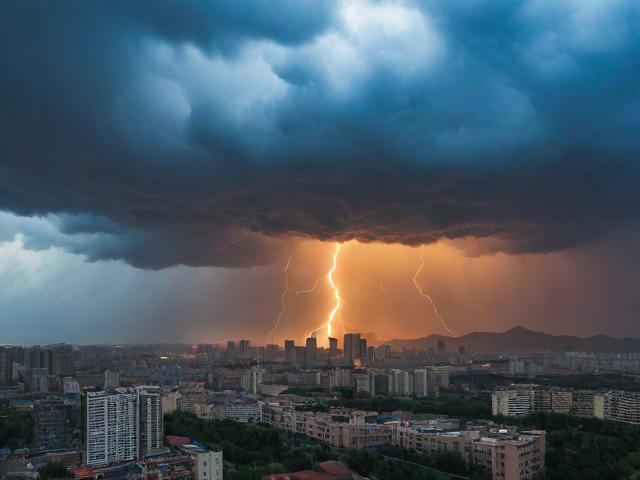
(161, 163)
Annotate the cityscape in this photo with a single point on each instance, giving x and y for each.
(319, 240)
(127, 411)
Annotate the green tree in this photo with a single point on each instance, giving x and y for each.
(55, 470)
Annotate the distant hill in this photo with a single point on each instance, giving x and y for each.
(521, 340)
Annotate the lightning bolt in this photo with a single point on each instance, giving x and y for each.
(328, 323)
(428, 297)
(287, 289)
(336, 292)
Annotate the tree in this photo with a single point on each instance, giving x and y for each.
(55, 470)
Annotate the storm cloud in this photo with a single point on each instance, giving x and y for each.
(218, 133)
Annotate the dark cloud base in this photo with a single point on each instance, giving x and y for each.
(522, 132)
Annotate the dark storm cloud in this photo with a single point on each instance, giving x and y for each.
(208, 133)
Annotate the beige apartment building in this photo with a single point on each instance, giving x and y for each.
(340, 429)
(507, 455)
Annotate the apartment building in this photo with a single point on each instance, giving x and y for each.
(512, 402)
(122, 426)
(520, 400)
(340, 429)
(112, 434)
(622, 407)
(508, 455)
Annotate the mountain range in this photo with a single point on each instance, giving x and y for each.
(520, 340)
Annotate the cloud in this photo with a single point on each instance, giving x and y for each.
(215, 133)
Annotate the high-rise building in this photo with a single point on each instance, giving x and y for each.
(245, 349)
(351, 346)
(333, 347)
(112, 428)
(231, 351)
(442, 347)
(150, 425)
(362, 350)
(290, 352)
(312, 350)
(122, 426)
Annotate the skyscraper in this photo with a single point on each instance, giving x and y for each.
(333, 347)
(245, 349)
(351, 346)
(312, 350)
(362, 350)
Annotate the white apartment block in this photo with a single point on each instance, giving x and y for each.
(122, 426)
(112, 428)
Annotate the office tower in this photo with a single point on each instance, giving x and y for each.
(150, 421)
(351, 346)
(362, 350)
(333, 347)
(112, 429)
(290, 352)
(442, 348)
(312, 350)
(245, 349)
(52, 429)
(461, 350)
(231, 351)
(111, 379)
